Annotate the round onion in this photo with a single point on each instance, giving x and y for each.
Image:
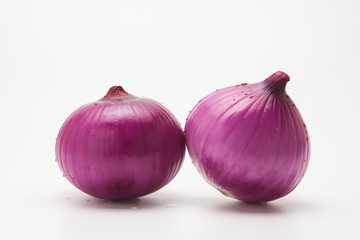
(249, 141)
(120, 146)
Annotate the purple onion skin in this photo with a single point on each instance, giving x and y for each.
(120, 146)
(249, 141)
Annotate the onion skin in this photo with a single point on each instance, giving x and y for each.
(120, 146)
(249, 141)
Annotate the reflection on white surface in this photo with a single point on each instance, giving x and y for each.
(170, 212)
(205, 215)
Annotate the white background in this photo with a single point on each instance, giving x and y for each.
(57, 55)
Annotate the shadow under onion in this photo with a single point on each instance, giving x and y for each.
(128, 204)
(251, 208)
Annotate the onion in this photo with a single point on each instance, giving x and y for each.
(249, 141)
(120, 146)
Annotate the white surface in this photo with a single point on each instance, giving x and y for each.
(58, 55)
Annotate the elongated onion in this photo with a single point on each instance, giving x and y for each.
(249, 141)
(120, 146)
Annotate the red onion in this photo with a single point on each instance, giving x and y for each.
(249, 141)
(120, 146)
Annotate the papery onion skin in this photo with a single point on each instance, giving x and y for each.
(120, 146)
(249, 141)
